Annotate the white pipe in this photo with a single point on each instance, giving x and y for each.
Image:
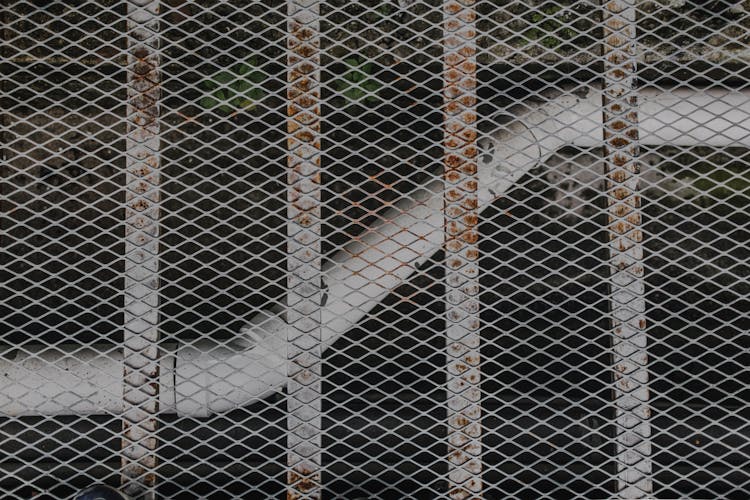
(679, 117)
(206, 378)
(67, 380)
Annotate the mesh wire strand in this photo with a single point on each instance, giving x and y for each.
(500, 248)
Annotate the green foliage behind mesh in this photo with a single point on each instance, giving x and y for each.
(235, 89)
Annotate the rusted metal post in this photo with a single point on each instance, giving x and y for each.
(142, 178)
(462, 251)
(627, 287)
(304, 352)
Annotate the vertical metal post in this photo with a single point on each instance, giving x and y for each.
(142, 178)
(304, 251)
(627, 287)
(462, 251)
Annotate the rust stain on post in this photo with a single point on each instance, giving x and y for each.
(462, 251)
(627, 288)
(304, 351)
(142, 177)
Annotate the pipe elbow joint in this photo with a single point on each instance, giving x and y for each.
(215, 378)
(508, 154)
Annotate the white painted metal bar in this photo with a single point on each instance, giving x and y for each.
(141, 334)
(461, 201)
(627, 283)
(304, 261)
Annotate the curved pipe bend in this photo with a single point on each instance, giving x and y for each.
(207, 378)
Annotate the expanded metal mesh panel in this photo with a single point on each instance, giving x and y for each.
(378, 249)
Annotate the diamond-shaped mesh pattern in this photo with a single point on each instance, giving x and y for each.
(378, 249)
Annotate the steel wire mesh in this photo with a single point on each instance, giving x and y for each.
(376, 249)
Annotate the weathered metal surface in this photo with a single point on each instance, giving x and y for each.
(627, 284)
(304, 251)
(462, 251)
(547, 408)
(141, 336)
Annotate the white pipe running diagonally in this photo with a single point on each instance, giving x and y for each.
(208, 378)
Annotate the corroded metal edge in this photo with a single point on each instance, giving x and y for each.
(304, 261)
(142, 179)
(462, 251)
(627, 284)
